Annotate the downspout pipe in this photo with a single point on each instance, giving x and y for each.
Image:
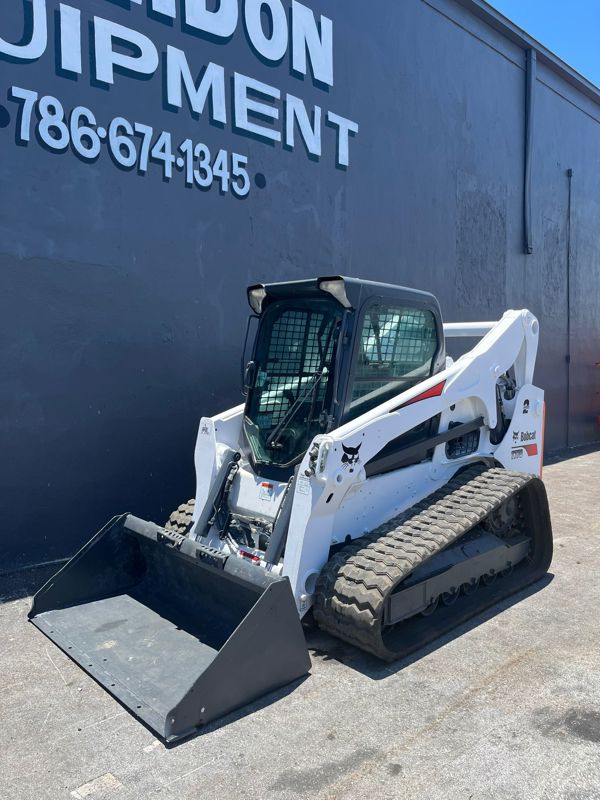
(531, 78)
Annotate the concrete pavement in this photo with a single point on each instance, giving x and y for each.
(508, 707)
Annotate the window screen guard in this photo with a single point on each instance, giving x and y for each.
(295, 354)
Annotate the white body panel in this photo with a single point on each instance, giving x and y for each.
(215, 436)
(253, 495)
(334, 501)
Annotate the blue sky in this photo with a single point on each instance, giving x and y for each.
(570, 28)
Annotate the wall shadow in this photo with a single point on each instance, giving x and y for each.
(557, 456)
(25, 582)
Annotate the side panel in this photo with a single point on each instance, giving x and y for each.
(215, 435)
(522, 446)
(335, 502)
(355, 506)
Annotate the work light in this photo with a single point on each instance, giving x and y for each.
(336, 288)
(256, 296)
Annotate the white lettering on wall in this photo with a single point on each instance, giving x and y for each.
(345, 128)
(107, 58)
(165, 7)
(221, 22)
(273, 48)
(36, 47)
(70, 39)
(305, 37)
(245, 105)
(204, 87)
(311, 134)
(211, 83)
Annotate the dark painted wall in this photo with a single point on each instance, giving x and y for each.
(123, 302)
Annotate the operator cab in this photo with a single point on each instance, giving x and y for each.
(326, 351)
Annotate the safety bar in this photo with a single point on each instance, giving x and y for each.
(458, 329)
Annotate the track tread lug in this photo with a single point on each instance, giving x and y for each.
(354, 586)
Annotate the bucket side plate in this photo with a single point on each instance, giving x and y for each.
(178, 642)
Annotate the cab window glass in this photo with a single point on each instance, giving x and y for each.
(397, 348)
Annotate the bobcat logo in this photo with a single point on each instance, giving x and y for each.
(350, 458)
(515, 437)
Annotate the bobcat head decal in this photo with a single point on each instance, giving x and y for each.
(350, 458)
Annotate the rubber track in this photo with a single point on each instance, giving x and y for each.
(354, 585)
(180, 520)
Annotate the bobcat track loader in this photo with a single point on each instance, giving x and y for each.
(367, 477)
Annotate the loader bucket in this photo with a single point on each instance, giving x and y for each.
(179, 633)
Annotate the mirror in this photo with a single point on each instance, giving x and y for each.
(247, 352)
(249, 376)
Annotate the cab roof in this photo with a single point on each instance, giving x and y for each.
(350, 292)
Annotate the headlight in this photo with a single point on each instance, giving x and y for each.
(336, 288)
(323, 455)
(256, 296)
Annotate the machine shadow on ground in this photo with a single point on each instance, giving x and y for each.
(24, 584)
(324, 647)
(233, 716)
